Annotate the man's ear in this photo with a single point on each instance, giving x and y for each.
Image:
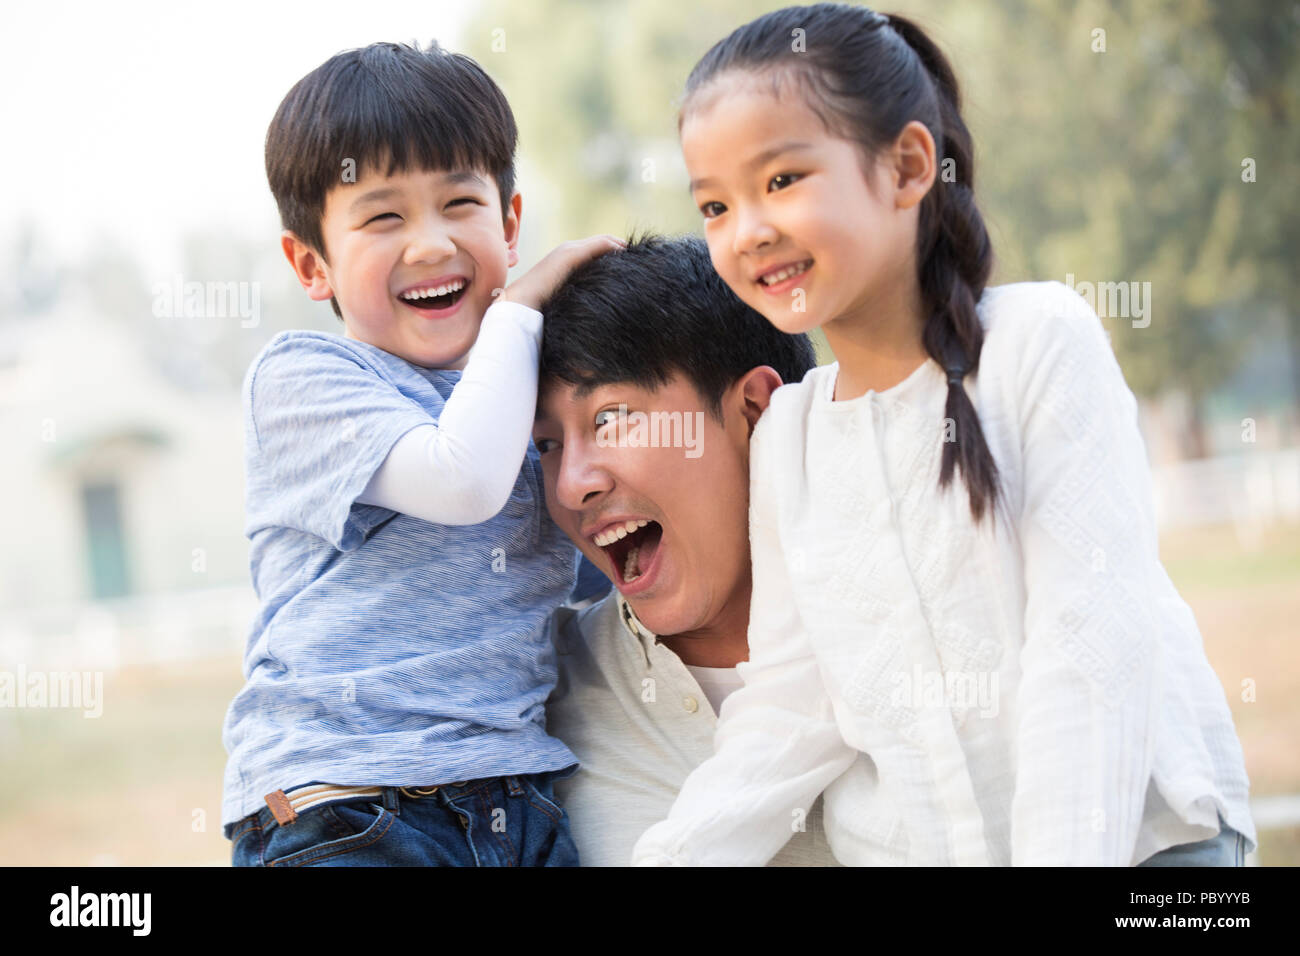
(754, 389)
(514, 212)
(308, 266)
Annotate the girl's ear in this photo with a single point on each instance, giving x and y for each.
(913, 158)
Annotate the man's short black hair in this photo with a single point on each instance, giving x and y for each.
(387, 104)
(654, 309)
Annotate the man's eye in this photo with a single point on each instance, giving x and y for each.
(382, 215)
(785, 178)
(712, 209)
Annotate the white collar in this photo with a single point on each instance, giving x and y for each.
(647, 637)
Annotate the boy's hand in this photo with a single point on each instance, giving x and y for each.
(540, 282)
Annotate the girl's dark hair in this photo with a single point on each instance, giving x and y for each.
(867, 75)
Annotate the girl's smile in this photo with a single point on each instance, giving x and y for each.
(779, 279)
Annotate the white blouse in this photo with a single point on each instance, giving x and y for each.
(1031, 692)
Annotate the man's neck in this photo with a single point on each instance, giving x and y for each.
(723, 642)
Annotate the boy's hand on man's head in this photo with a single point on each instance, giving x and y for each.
(540, 282)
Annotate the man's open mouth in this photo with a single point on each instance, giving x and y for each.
(632, 553)
(441, 297)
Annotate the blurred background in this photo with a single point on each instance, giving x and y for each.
(1147, 154)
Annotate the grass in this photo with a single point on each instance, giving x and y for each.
(1246, 598)
(141, 785)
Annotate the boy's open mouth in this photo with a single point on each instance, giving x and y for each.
(432, 300)
(633, 553)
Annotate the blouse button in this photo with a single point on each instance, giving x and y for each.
(691, 704)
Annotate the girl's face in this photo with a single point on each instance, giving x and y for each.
(794, 224)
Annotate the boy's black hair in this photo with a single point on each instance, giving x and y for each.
(387, 104)
(657, 308)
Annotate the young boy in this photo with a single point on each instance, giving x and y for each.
(397, 670)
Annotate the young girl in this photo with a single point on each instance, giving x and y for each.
(960, 627)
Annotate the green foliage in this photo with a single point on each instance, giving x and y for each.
(1114, 165)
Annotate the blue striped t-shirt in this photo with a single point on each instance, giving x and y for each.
(388, 650)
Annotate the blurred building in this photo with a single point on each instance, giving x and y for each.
(126, 500)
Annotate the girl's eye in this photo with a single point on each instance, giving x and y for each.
(787, 179)
(382, 215)
(708, 209)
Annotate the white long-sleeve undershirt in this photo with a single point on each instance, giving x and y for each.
(461, 469)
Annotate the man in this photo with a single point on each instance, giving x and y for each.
(652, 377)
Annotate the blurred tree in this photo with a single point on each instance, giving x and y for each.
(594, 88)
(1111, 139)
(1127, 165)
(1263, 83)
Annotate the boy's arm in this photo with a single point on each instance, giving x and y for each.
(462, 469)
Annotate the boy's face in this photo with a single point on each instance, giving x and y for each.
(390, 238)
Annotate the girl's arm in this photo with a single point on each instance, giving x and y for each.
(462, 469)
(777, 745)
(1087, 699)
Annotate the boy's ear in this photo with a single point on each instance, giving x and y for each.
(308, 266)
(513, 213)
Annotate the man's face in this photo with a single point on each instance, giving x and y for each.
(394, 241)
(690, 560)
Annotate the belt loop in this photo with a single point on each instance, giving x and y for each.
(391, 800)
(281, 808)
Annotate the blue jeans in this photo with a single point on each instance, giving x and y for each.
(1226, 849)
(495, 821)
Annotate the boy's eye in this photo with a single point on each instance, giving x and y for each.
(712, 209)
(465, 199)
(784, 178)
(382, 215)
(544, 445)
(606, 416)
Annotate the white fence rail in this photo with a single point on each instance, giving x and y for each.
(127, 632)
(1252, 489)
